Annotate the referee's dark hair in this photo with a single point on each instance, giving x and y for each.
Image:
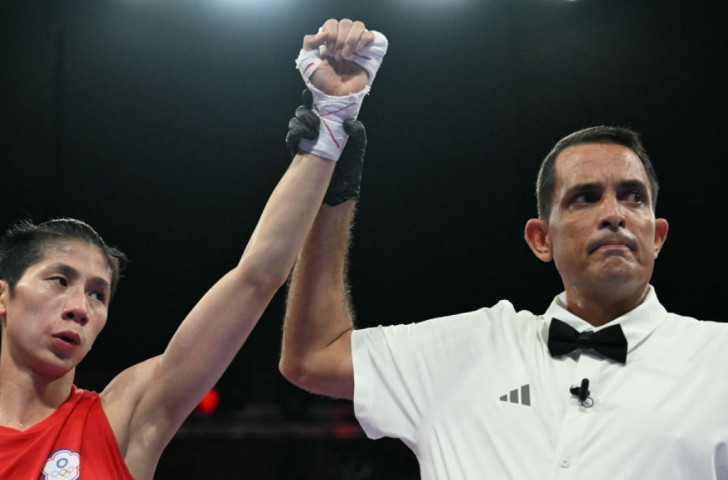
(600, 134)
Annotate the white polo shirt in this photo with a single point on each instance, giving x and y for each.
(478, 396)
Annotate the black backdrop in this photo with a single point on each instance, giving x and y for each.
(161, 123)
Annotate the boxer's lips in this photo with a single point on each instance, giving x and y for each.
(68, 337)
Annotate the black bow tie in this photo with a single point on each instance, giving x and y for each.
(609, 341)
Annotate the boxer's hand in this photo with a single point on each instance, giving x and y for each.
(346, 180)
(337, 74)
(338, 64)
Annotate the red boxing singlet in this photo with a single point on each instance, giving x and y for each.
(75, 442)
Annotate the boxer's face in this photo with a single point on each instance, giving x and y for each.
(57, 308)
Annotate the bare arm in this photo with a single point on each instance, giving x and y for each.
(147, 403)
(316, 353)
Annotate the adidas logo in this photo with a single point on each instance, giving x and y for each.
(513, 397)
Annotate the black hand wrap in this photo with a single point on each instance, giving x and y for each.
(346, 179)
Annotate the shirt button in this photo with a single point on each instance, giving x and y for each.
(565, 463)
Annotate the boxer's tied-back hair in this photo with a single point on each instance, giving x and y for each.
(24, 243)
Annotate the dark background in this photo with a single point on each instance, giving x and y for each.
(161, 123)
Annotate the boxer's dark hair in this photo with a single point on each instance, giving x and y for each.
(24, 244)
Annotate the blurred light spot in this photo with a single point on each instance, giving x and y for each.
(257, 4)
(209, 403)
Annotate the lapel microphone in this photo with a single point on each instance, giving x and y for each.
(583, 393)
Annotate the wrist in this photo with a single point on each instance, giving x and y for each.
(332, 111)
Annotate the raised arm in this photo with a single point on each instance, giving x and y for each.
(147, 403)
(316, 351)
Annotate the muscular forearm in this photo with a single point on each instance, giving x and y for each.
(316, 352)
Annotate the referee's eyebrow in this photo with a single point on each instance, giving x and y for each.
(595, 187)
(589, 187)
(634, 185)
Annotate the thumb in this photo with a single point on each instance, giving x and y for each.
(312, 42)
(357, 133)
(307, 98)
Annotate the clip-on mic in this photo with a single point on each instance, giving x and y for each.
(583, 393)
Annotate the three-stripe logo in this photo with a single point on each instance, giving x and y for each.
(513, 396)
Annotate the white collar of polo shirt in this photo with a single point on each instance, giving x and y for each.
(636, 324)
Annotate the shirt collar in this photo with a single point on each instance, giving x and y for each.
(636, 324)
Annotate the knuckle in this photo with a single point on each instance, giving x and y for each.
(307, 41)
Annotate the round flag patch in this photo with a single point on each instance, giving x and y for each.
(63, 465)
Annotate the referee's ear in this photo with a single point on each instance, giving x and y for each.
(538, 239)
(661, 228)
(4, 294)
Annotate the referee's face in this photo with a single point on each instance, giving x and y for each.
(602, 233)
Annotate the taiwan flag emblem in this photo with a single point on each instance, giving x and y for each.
(63, 465)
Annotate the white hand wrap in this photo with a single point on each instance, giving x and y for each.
(334, 110)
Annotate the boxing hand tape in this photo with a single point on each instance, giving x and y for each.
(334, 110)
(369, 58)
